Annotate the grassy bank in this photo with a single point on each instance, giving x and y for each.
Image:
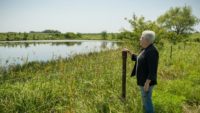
(92, 83)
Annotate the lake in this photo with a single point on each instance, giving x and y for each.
(20, 52)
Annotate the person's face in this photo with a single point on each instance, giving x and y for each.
(143, 42)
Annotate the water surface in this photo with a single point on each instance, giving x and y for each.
(19, 52)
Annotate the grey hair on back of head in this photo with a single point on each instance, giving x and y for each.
(149, 35)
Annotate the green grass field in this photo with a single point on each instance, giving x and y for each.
(92, 83)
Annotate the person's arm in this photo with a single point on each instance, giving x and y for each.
(133, 56)
(152, 62)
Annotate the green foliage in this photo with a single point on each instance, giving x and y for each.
(139, 24)
(55, 36)
(174, 26)
(195, 37)
(113, 36)
(51, 31)
(79, 35)
(126, 35)
(178, 19)
(25, 36)
(29, 36)
(70, 35)
(104, 35)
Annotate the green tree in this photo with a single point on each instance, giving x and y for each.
(70, 35)
(139, 24)
(104, 35)
(178, 19)
(51, 31)
(113, 35)
(25, 36)
(79, 35)
(125, 35)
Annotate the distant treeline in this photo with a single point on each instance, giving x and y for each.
(47, 31)
(57, 35)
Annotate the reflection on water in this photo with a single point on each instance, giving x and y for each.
(20, 52)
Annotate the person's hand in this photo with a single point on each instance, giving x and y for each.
(146, 87)
(125, 49)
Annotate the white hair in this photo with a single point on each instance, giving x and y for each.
(149, 35)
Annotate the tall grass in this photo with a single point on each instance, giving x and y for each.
(92, 83)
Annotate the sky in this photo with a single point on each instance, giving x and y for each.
(84, 16)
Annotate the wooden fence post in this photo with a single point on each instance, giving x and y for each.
(124, 58)
(171, 52)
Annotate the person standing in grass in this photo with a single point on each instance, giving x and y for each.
(145, 68)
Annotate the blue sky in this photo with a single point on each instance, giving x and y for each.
(85, 16)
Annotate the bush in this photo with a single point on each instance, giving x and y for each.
(104, 35)
(70, 35)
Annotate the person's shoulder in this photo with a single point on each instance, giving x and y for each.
(152, 49)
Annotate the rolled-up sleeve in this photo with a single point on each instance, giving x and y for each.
(134, 57)
(152, 62)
